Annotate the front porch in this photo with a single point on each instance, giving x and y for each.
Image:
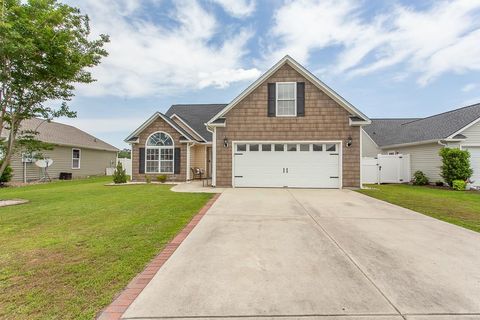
(199, 162)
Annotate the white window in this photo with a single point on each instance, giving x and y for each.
(76, 154)
(159, 153)
(286, 99)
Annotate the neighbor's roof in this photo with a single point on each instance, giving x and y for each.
(63, 134)
(389, 132)
(196, 115)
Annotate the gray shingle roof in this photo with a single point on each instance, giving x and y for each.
(63, 134)
(196, 115)
(387, 132)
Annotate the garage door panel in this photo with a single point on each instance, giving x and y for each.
(302, 169)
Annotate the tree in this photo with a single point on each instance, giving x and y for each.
(119, 175)
(125, 153)
(455, 165)
(44, 50)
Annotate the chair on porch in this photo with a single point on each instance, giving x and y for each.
(197, 173)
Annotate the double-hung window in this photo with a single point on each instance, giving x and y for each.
(159, 153)
(76, 153)
(286, 99)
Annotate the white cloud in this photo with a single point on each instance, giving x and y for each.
(443, 38)
(469, 87)
(237, 8)
(104, 125)
(148, 58)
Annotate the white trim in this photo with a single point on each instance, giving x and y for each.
(340, 153)
(79, 158)
(469, 145)
(307, 74)
(181, 120)
(214, 157)
(358, 123)
(149, 121)
(294, 99)
(410, 144)
(464, 128)
(159, 148)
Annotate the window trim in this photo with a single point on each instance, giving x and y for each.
(294, 99)
(172, 147)
(79, 158)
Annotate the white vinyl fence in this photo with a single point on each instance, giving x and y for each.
(386, 169)
(127, 165)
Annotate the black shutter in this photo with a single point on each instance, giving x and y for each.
(141, 160)
(271, 99)
(300, 99)
(176, 159)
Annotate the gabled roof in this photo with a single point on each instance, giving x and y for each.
(134, 135)
(307, 74)
(196, 115)
(447, 125)
(62, 134)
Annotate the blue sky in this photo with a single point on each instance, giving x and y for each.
(388, 58)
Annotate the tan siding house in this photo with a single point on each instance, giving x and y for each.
(92, 155)
(287, 129)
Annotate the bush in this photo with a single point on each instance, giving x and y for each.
(6, 175)
(439, 183)
(420, 179)
(119, 175)
(459, 185)
(162, 178)
(456, 165)
(148, 179)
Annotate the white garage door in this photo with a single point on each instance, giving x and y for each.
(297, 165)
(475, 163)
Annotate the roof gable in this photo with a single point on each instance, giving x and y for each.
(154, 117)
(304, 72)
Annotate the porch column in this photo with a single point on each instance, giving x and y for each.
(214, 157)
(188, 162)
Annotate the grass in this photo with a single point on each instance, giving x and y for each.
(458, 207)
(68, 252)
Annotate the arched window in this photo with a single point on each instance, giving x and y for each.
(159, 153)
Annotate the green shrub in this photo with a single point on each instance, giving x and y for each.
(459, 185)
(162, 178)
(420, 179)
(148, 179)
(6, 175)
(456, 165)
(119, 175)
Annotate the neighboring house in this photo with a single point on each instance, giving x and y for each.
(75, 152)
(423, 138)
(286, 129)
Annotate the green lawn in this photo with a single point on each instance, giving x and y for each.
(458, 207)
(76, 244)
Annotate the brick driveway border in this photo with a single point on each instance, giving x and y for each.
(121, 302)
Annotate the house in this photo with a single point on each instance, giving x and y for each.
(423, 138)
(74, 151)
(286, 129)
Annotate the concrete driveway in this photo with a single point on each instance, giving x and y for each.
(320, 254)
